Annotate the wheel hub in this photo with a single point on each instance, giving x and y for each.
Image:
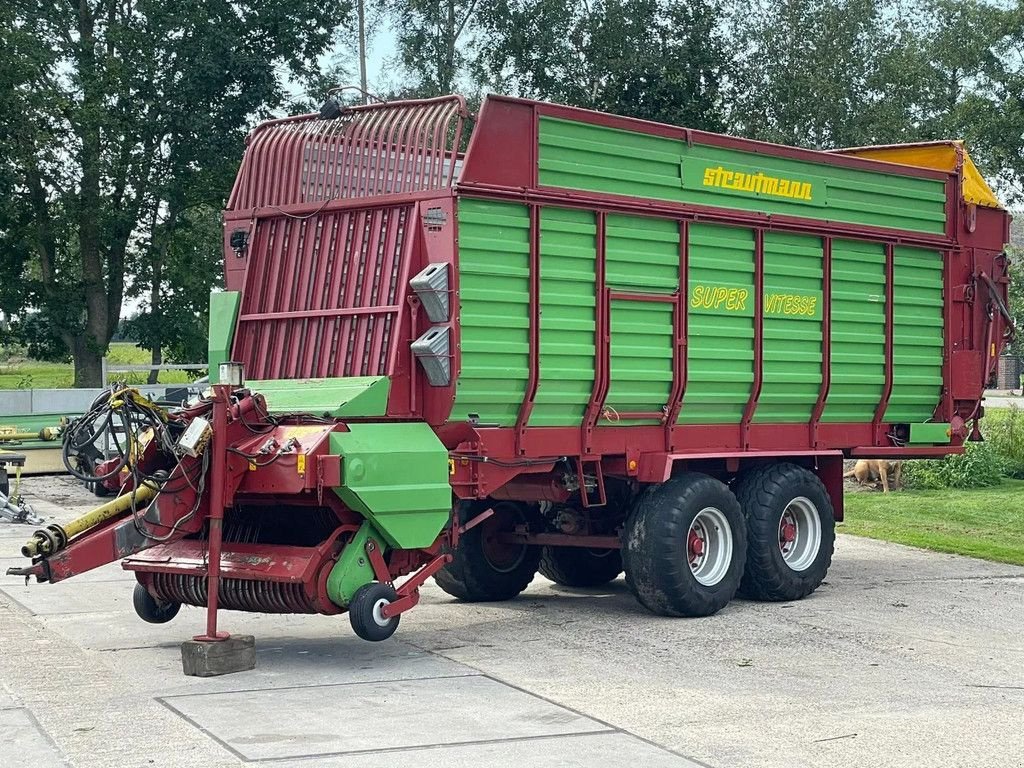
(800, 534)
(709, 546)
(696, 546)
(787, 531)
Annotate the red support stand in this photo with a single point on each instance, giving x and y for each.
(218, 478)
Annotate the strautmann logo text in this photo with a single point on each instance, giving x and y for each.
(758, 183)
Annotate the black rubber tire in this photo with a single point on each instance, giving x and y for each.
(150, 609)
(5, 482)
(470, 576)
(764, 493)
(580, 567)
(655, 548)
(361, 612)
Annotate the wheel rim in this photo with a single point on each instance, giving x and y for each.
(378, 612)
(501, 556)
(800, 533)
(709, 546)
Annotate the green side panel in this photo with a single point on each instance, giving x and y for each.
(223, 316)
(793, 273)
(641, 254)
(353, 396)
(933, 432)
(858, 332)
(917, 335)
(568, 257)
(396, 474)
(641, 357)
(576, 155)
(353, 568)
(494, 314)
(720, 325)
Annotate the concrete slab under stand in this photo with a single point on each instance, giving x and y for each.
(353, 718)
(23, 742)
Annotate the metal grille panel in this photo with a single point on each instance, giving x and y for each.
(321, 295)
(377, 149)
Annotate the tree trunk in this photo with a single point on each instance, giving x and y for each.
(156, 358)
(88, 363)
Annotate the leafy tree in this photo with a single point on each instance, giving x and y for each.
(117, 117)
(654, 59)
(831, 73)
(428, 39)
(811, 72)
(175, 314)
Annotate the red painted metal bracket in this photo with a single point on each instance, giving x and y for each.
(380, 568)
(534, 376)
(409, 592)
(680, 324)
(883, 404)
(826, 338)
(602, 339)
(602, 497)
(755, 390)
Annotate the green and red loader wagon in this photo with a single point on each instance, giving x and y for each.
(587, 344)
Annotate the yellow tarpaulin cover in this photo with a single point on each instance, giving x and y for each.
(940, 155)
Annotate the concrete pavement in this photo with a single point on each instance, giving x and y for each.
(903, 658)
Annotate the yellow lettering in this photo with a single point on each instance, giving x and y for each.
(741, 300)
(758, 183)
(698, 292)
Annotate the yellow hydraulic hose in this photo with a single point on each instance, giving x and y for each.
(49, 540)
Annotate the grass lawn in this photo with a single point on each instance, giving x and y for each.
(983, 522)
(34, 374)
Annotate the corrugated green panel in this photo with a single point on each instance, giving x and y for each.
(641, 356)
(599, 159)
(917, 335)
(720, 326)
(494, 315)
(568, 257)
(642, 254)
(858, 331)
(792, 328)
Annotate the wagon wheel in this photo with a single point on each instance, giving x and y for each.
(790, 530)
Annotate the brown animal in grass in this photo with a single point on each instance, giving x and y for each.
(870, 471)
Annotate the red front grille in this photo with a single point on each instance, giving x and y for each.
(322, 295)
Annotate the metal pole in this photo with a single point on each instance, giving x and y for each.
(218, 477)
(362, 49)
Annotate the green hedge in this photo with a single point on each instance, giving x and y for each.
(1003, 429)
